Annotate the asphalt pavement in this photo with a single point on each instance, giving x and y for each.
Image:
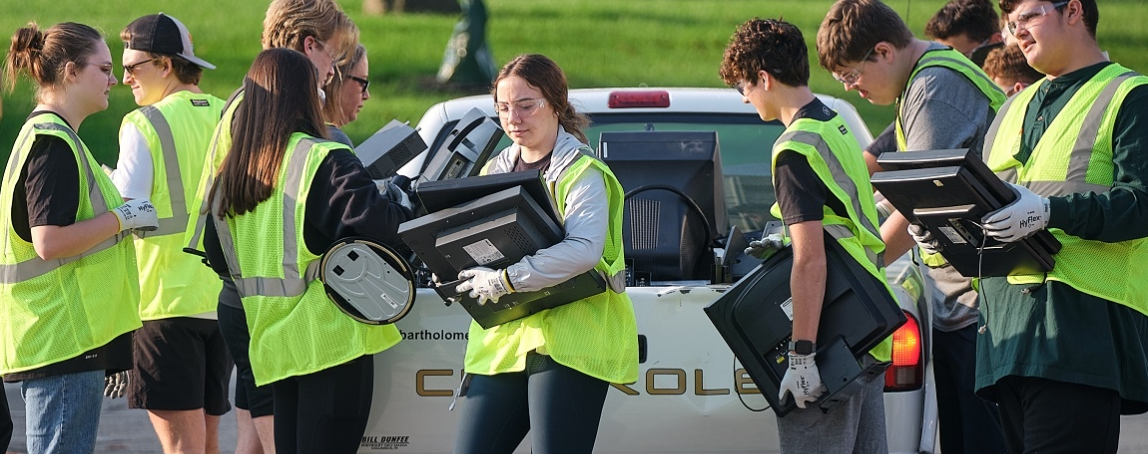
(124, 430)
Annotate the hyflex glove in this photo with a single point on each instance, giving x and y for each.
(802, 381)
(765, 247)
(485, 284)
(924, 238)
(138, 214)
(393, 192)
(115, 385)
(1021, 218)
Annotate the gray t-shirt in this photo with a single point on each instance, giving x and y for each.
(942, 109)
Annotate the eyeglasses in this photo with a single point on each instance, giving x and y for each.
(850, 78)
(1024, 19)
(740, 87)
(524, 107)
(363, 83)
(131, 69)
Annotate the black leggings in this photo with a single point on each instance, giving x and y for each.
(324, 412)
(559, 405)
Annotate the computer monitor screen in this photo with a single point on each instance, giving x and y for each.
(465, 149)
(948, 192)
(675, 206)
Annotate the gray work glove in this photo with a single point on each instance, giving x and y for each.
(765, 247)
(924, 238)
(393, 193)
(115, 385)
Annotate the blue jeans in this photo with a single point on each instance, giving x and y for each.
(63, 412)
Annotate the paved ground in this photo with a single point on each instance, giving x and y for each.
(128, 431)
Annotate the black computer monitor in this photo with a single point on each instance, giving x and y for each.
(948, 192)
(675, 204)
(443, 194)
(390, 148)
(465, 150)
(495, 231)
(755, 315)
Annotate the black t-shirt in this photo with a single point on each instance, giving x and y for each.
(48, 193)
(541, 165)
(343, 202)
(48, 189)
(800, 193)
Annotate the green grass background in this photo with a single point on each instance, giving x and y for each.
(599, 43)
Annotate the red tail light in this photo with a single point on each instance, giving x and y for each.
(907, 372)
(635, 99)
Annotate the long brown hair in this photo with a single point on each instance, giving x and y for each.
(279, 99)
(542, 73)
(43, 55)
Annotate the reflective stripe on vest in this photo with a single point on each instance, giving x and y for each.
(293, 283)
(842, 180)
(1062, 162)
(951, 59)
(613, 273)
(194, 232)
(177, 223)
(36, 267)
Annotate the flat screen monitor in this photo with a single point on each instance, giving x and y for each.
(465, 150)
(494, 231)
(675, 206)
(755, 317)
(442, 194)
(948, 192)
(390, 148)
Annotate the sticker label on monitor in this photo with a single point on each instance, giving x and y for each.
(953, 235)
(787, 307)
(483, 252)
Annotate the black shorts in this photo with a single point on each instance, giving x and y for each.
(181, 363)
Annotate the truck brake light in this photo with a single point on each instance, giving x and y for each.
(638, 98)
(906, 373)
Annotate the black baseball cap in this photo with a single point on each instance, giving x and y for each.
(162, 34)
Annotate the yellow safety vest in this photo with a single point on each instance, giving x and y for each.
(54, 310)
(295, 329)
(220, 145)
(597, 336)
(833, 154)
(1075, 156)
(177, 130)
(956, 61)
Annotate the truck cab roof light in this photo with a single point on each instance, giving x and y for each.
(632, 99)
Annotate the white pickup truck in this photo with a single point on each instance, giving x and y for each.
(691, 395)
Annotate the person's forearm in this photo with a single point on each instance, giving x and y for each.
(807, 281)
(895, 234)
(55, 242)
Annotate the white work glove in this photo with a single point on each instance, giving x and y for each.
(802, 381)
(393, 192)
(765, 247)
(138, 214)
(924, 238)
(1021, 218)
(115, 385)
(484, 283)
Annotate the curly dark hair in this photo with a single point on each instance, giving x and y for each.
(976, 19)
(770, 45)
